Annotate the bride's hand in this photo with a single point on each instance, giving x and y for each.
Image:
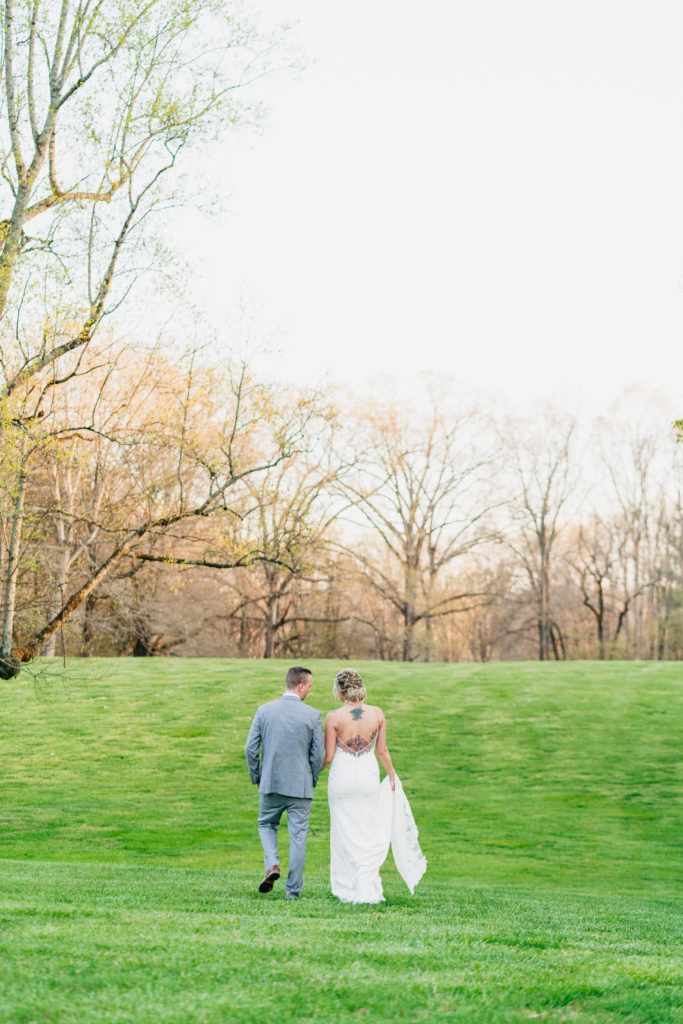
(392, 781)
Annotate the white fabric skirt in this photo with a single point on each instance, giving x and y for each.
(367, 817)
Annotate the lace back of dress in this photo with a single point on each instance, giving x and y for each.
(356, 752)
(360, 747)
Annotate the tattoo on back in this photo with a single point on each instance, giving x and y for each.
(357, 713)
(358, 743)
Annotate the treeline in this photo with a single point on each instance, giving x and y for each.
(171, 507)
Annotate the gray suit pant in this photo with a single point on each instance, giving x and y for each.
(271, 807)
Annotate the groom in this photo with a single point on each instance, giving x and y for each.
(289, 737)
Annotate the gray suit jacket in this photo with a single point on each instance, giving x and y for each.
(289, 736)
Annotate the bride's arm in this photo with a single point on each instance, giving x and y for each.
(330, 739)
(383, 750)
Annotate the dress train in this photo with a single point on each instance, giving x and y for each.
(366, 817)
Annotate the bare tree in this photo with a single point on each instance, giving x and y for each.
(669, 586)
(425, 489)
(541, 461)
(487, 629)
(293, 509)
(635, 451)
(598, 558)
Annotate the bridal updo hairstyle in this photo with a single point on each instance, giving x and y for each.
(348, 685)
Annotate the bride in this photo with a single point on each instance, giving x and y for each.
(365, 816)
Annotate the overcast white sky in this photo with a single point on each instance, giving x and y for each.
(492, 190)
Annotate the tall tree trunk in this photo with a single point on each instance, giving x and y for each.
(544, 630)
(87, 630)
(50, 645)
(408, 653)
(410, 609)
(243, 642)
(271, 628)
(429, 638)
(13, 557)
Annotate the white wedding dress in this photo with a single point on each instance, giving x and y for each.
(366, 817)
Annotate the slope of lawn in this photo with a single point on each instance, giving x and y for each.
(548, 799)
(546, 774)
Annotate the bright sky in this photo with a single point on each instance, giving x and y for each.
(488, 189)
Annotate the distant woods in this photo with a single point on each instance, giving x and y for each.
(171, 507)
(158, 498)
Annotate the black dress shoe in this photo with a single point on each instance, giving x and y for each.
(272, 875)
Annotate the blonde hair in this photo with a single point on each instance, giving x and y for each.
(349, 686)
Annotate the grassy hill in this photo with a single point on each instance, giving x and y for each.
(518, 774)
(549, 804)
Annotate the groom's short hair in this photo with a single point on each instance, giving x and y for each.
(296, 675)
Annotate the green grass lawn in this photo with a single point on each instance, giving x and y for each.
(548, 799)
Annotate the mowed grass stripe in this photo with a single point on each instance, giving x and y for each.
(90, 942)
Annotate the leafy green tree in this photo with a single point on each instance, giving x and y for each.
(106, 101)
(107, 105)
